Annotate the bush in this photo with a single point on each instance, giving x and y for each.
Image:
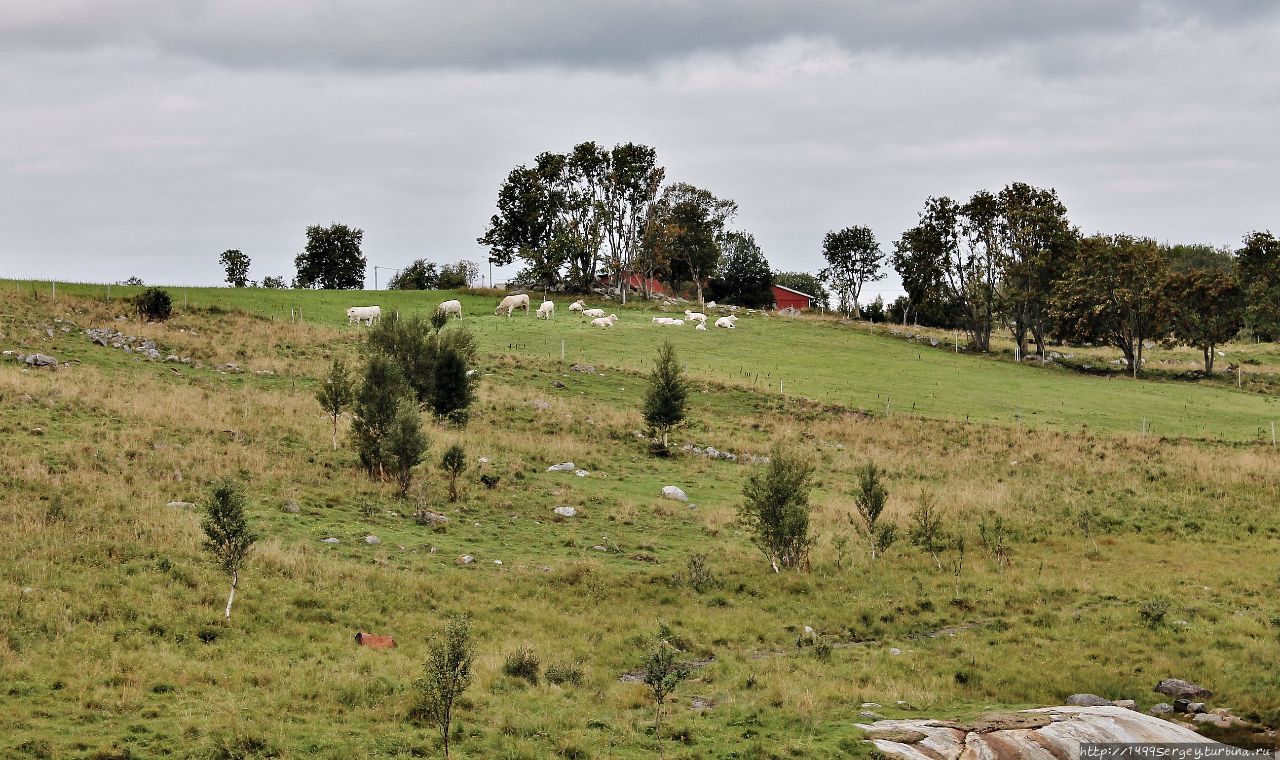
(153, 305)
(566, 674)
(664, 403)
(523, 664)
(776, 508)
(377, 402)
(1152, 612)
(698, 573)
(405, 445)
(453, 463)
(446, 676)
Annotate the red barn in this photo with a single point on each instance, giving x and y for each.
(784, 297)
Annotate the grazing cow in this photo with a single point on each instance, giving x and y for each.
(546, 310)
(365, 314)
(727, 322)
(605, 321)
(577, 305)
(513, 302)
(593, 312)
(451, 307)
(374, 641)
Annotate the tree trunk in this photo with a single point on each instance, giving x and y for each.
(698, 282)
(235, 579)
(335, 432)
(1208, 360)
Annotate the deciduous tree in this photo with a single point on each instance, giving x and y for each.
(236, 264)
(228, 537)
(1203, 308)
(332, 259)
(745, 271)
(853, 259)
(1258, 263)
(776, 508)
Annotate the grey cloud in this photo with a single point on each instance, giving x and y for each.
(617, 34)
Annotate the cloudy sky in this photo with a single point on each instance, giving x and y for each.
(143, 137)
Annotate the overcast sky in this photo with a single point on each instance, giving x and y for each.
(144, 137)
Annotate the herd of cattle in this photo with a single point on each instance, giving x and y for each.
(369, 314)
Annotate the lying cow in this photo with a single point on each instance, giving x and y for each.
(374, 641)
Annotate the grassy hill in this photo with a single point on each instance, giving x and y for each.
(1133, 559)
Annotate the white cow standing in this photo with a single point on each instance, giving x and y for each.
(451, 307)
(366, 314)
(546, 310)
(513, 302)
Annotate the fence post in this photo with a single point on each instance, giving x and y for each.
(53, 287)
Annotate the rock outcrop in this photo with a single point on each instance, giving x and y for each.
(1048, 732)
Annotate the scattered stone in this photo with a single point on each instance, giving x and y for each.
(1087, 700)
(1176, 687)
(1195, 707)
(558, 384)
(897, 736)
(701, 703)
(38, 360)
(428, 517)
(182, 505)
(1221, 721)
(1161, 708)
(540, 404)
(372, 540)
(1127, 704)
(465, 559)
(869, 715)
(330, 540)
(895, 651)
(600, 548)
(581, 473)
(484, 460)
(497, 562)
(291, 507)
(566, 511)
(674, 492)
(587, 368)
(562, 467)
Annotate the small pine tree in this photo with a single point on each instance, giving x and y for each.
(662, 674)
(374, 409)
(776, 508)
(454, 463)
(664, 404)
(927, 532)
(227, 534)
(335, 393)
(446, 676)
(871, 498)
(454, 391)
(404, 445)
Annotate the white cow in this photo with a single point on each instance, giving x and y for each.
(577, 305)
(451, 307)
(605, 321)
(662, 320)
(513, 302)
(695, 316)
(365, 314)
(727, 322)
(701, 326)
(546, 310)
(593, 312)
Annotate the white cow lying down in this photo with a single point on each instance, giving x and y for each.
(366, 314)
(451, 307)
(662, 320)
(577, 305)
(727, 322)
(695, 316)
(513, 302)
(605, 321)
(701, 326)
(546, 310)
(593, 312)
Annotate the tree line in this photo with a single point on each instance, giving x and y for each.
(1013, 261)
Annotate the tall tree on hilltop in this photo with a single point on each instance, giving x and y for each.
(853, 259)
(1204, 308)
(332, 259)
(1109, 294)
(745, 271)
(529, 206)
(691, 221)
(420, 275)
(236, 263)
(630, 188)
(1035, 241)
(1258, 265)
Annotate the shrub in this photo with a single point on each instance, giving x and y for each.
(445, 677)
(563, 674)
(405, 445)
(453, 463)
(523, 664)
(698, 573)
(776, 508)
(926, 528)
(1153, 611)
(153, 305)
(227, 534)
(662, 673)
(377, 402)
(871, 497)
(335, 393)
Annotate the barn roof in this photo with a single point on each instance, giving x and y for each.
(792, 290)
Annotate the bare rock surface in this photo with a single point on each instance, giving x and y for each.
(1048, 733)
